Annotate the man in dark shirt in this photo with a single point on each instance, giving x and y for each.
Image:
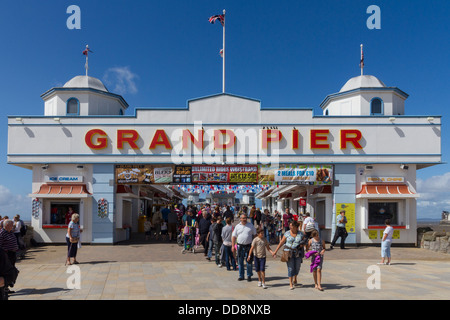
(203, 229)
(8, 242)
(8, 275)
(228, 214)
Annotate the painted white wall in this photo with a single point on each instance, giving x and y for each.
(91, 103)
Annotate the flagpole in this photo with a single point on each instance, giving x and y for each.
(362, 61)
(87, 60)
(223, 59)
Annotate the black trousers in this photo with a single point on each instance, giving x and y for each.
(204, 243)
(340, 233)
(72, 249)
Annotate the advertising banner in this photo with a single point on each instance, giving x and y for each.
(226, 174)
(349, 213)
(182, 174)
(144, 174)
(296, 174)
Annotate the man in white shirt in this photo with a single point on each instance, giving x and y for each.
(308, 224)
(243, 235)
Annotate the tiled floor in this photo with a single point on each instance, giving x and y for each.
(160, 271)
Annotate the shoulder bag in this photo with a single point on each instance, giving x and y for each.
(286, 255)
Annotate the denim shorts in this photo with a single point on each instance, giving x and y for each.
(260, 264)
(293, 266)
(386, 249)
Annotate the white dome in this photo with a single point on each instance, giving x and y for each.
(362, 82)
(85, 82)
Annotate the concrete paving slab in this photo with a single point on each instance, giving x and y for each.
(159, 271)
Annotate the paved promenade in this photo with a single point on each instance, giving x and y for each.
(140, 270)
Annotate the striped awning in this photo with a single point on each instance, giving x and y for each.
(386, 191)
(61, 191)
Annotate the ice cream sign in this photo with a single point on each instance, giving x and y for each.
(385, 179)
(63, 178)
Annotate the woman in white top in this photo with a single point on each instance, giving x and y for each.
(72, 238)
(386, 243)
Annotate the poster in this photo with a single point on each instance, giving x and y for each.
(144, 174)
(226, 174)
(349, 213)
(296, 174)
(182, 174)
(373, 234)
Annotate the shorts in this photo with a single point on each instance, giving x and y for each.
(260, 264)
(163, 232)
(172, 228)
(385, 249)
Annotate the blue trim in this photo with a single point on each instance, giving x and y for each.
(67, 107)
(382, 106)
(219, 155)
(185, 125)
(174, 109)
(334, 95)
(287, 162)
(116, 96)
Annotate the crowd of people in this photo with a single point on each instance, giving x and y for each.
(239, 246)
(242, 246)
(11, 248)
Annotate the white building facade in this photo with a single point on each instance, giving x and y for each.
(364, 139)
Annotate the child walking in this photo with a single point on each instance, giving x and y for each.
(258, 249)
(147, 228)
(316, 249)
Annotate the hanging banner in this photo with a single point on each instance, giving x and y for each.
(182, 175)
(144, 174)
(296, 174)
(226, 174)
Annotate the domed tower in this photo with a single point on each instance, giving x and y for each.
(365, 95)
(83, 96)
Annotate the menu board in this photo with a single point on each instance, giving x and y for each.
(296, 174)
(182, 174)
(349, 214)
(144, 174)
(226, 174)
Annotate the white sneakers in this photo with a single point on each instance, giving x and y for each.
(260, 284)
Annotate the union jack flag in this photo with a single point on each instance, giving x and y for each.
(85, 51)
(219, 17)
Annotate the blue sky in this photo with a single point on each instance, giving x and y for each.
(284, 53)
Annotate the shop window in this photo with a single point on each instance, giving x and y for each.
(73, 106)
(380, 211)
(59, 212)
(376, 106)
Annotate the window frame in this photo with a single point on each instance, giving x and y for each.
(382, 106)
(78, 107)
(394, 220)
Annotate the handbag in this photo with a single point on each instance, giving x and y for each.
(74, 240)
(286, 255)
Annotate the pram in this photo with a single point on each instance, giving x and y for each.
(191, 239)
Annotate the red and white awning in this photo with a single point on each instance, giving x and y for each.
(386, 191)
(61, 191)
